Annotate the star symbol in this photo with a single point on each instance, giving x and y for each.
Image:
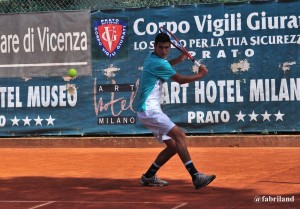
(50, 120)
(15, 121)
(240, 116)
(266, 116)
(26, 121)
(279, 116)
(38, 121)
(253, 116)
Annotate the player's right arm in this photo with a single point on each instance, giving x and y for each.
(182, 79)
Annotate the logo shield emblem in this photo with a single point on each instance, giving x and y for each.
(110, 35)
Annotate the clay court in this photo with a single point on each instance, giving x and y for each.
(47, 177)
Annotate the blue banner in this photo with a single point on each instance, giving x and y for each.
(253, 85)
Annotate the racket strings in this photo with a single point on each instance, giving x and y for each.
(174, 41)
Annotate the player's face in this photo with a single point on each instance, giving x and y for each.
(162, 49)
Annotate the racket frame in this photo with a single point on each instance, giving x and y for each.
(179, 46)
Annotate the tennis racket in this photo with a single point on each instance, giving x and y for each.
(175, 42)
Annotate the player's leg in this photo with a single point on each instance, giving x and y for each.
(165, 155)
(160, 124)
(150, 178)
(179, 137)
(199, 179)
(180, 142)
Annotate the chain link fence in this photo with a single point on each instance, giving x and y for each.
(16, 6)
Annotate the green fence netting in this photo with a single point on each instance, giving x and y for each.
(16, 6)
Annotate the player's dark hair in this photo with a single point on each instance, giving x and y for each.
(162, 37)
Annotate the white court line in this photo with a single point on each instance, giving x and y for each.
(38, 206)
(83, 201)
(89, 202)
(179, 206)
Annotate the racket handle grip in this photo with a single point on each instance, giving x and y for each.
(197, 63)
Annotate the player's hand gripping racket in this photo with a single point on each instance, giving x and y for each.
(175, 42)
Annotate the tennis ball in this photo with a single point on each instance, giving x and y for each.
(72, 72)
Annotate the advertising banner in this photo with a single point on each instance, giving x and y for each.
(44, 44)
(37, 49)
(251, 52)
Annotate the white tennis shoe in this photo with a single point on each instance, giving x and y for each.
(153, 181)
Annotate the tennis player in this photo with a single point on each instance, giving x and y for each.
(156, 71)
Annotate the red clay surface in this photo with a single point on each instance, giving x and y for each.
(108, 178)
